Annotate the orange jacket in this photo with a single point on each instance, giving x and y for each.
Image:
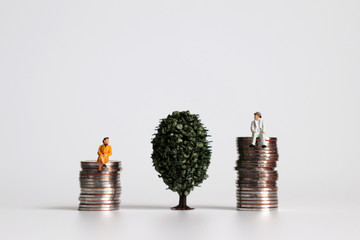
(104, 150)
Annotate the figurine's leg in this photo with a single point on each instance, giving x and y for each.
(262, 140)
(100, 162)
(254, 136)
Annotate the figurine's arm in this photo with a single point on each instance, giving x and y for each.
(263, 126)
(252, 127)
(99, 151)
(110, 151)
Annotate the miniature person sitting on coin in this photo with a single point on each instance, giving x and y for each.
(104, 152)
(258, 130)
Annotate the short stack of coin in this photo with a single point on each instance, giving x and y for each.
(256, 183)
(100, 190)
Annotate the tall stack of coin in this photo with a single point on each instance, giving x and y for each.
(100, 190)
(256, 183)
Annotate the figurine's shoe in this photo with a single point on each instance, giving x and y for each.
(252, 146)
(263, 146)
(104, 165)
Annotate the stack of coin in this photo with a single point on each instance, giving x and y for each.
(100, 190)
(256, 183)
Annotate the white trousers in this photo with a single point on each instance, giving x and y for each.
(260, 135)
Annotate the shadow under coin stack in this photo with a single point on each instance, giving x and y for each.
(100, 191)
(256, 184)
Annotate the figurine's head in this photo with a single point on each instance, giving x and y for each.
(106, 141)
(257, 115)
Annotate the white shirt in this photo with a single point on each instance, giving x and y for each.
(257, 122)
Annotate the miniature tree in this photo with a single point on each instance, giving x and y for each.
(181, 153)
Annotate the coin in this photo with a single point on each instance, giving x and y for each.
(257, 151)
(267, 161)
(99, 208)
(257, 179)
(100, 196)
(99, 190)
(257, 176)
(252, 198)
(257, 205)
(257, 209)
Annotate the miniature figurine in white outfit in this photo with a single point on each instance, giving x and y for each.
(258, 130)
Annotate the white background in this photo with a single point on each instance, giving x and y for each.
(73, 72)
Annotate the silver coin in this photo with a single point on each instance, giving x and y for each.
(102, 174)
(243, 201)
(254, 159)
(100, 207)
(97, 178)
(99, 196)
(112, 182)
(105, 186)
(251, 161)
(257, 209)
(258, 206)
(266, 181)
(96, 167)
(245, 198)
(241, 198)
(100, 201)
(90, 209)
(256, 164)
(97, 172)
(256, 180)
(257, 176)
(251, 194)
(101, 183)
(254, 175)
(100, 191)
(267, 185)
(264, 156)
(255, 183)
(257, 171)
(87, 195)
(262, 153)
(258, 189)
(263, 179)
(97, 210)
(260, 194)
(115, 181)
(260, 177)
(110, 200)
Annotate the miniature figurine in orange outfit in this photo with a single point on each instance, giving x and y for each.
(104, 152)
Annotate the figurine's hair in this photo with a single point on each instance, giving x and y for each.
(105, 139)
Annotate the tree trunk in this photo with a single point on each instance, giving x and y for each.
(182, 203)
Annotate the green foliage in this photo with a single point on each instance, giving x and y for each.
(181, 153)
